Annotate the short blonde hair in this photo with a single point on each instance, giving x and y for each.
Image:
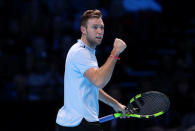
(90, 14)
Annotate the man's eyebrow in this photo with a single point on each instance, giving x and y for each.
(98, 25)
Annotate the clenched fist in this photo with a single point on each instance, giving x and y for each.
(119, 46)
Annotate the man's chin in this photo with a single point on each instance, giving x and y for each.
(98, 42)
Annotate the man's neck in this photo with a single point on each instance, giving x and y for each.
(86, 42)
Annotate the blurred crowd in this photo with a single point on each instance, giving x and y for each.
(35, 36)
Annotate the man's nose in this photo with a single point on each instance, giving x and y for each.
(100, 31)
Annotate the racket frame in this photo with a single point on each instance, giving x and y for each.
(117, 115)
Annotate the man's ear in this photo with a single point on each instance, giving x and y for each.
(83, 29)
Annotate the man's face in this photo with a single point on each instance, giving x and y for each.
(94, 31)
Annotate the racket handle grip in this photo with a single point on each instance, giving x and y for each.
(106, 118)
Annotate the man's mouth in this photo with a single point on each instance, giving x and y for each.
(99, 37)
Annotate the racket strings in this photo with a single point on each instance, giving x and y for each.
(157, 104)
(151, 103)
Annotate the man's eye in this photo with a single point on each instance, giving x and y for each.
(95, 27)
(102, 27)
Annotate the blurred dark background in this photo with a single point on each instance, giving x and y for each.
(35, 36)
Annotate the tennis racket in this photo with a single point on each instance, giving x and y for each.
(146, 105)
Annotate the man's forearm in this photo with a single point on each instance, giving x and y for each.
(107, 99)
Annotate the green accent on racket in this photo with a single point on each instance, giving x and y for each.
(138, 96)
(158, 114)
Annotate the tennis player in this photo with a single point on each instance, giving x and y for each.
(84, 80)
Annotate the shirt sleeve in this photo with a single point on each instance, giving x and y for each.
(84, 60)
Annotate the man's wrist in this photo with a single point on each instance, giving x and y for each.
(115, 57)
(114, 52)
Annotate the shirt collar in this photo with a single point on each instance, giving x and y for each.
(90, 49)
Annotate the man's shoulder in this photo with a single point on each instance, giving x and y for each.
(77, 52)
(78, 49)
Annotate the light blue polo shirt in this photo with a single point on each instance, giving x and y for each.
(80, 95)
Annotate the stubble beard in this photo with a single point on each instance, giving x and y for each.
(93, 42)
